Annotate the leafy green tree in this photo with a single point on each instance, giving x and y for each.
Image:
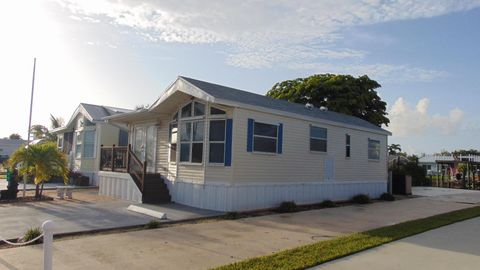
(42, 161)
(15, 136)
(340, 93)
(39, 131)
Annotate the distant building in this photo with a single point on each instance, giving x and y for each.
(8, 146)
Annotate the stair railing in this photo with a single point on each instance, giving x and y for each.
(136, 168)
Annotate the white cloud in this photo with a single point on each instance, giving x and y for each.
(267, 33)
(406, 120)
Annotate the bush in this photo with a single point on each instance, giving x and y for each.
(232, 215)
(152, 224)
(31, 234)
(387, 197)
(328, 204)
(361, 199)
(287, 207)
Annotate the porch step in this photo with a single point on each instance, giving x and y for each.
(155, 190)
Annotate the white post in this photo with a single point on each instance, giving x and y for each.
(47, 227)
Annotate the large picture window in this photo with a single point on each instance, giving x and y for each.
(265, 137)
(373, 149)
(89, 143)
(216, 138)
(191, 141)
(318, 139)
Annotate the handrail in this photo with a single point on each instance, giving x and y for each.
(123, 159)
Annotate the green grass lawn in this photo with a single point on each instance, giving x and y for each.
(324, 251)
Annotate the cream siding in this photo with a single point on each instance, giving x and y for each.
(297, 163)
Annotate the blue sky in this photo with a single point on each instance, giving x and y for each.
(425, 54)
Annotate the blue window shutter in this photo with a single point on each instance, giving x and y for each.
(250, 135)
(280, 138)
(228, 143)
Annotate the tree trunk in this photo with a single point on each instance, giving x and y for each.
(41, 191)
(37, 191)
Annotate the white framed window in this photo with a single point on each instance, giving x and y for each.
(60, 142)
(373, 149)
(265, 137)
(216, 141)
(216, 111)
(318, 139)
(192, 109)
(347, 145)
(173, 141)
(89, 143)
(191, 141)
(78, 144)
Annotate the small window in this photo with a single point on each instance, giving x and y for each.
(265, 137)
(60, 142)
(347, 145)
(216, 140)
(215, 111)
(199, 109)
(373, 149)
(187, 110)
(173, 142)
(193, 109)
(318, 139)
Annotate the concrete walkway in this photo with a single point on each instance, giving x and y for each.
(456, 246)
(206, 245)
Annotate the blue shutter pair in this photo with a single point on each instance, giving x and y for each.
(251, 122)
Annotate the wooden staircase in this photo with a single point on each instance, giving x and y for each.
(155, 190)
(123, 159)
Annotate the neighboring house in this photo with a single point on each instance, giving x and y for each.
(8, 146)
(85, 132)
(447, 165)
(225, 149)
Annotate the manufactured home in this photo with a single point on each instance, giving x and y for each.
(215, 147)
(81, 138)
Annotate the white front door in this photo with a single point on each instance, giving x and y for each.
(144, 142)
(329, 168)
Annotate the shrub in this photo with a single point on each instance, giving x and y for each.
(328, 204)
(232, 215)
(152, 224)
(361, 199)
(387, 197)
(31, 234)
(287, 207)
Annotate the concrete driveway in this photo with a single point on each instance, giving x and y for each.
(456, 246)
(87, 211)
(206, 245)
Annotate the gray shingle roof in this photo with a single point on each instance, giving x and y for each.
(97, 112)
(232, 94)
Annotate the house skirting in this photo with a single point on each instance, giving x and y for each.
(118, 185)
(227, 197)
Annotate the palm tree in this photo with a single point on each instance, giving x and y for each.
(42, 161)
(394, 149)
